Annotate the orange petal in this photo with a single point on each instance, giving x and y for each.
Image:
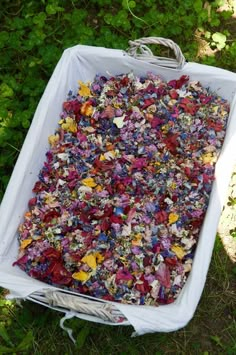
(24, 243)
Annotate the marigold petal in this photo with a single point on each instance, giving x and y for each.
(173, 217)
(24, 243)
(84, 89)
(89, 182)
(179, 252)
(90, 260)
(99, 258)
(81, 276)
(53, 139)
(69, 125)
(87, 109)
(102, 157)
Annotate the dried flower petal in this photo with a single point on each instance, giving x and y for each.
(124, 189)
(84, 89)
(69, 125)
(89, 182)
(81, 276)
(179, 252)
(25, 242)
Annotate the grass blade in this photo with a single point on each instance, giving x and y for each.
(4, 335)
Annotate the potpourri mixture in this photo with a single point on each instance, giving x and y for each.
(122, 195)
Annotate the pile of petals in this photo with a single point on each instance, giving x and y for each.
(119, 203)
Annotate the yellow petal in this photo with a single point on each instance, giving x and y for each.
(89, 182)
(108, 155)
(124, 260)
(173, 217)
(138, 236)
(207, 158)
(89, 129)
(74, 194)
(90, 260)
(99, 258)
(84, 89)
(24, 243)
(70, 125)
(49, 198)
(81, 276)
(179, 252)
(53, 139)
(102, 157)
(99, 188)
(138, 240)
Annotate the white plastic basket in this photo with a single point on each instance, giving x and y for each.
(83, 63)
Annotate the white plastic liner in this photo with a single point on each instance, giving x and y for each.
(83, 63)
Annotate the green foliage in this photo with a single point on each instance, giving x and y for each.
(15, 338)
(82, 336)
(219, 40)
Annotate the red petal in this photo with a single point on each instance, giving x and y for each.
(52, 253)
(23, 260)
(105, 225)
(161, 216)
(116, 219)
(163, 275)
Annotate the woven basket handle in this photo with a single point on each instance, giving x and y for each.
(138, 49)
(68, 302)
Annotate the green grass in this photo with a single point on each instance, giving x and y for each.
(211, 331)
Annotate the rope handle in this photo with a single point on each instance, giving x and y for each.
(78, 306)
(139, 50)
(103, 310)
